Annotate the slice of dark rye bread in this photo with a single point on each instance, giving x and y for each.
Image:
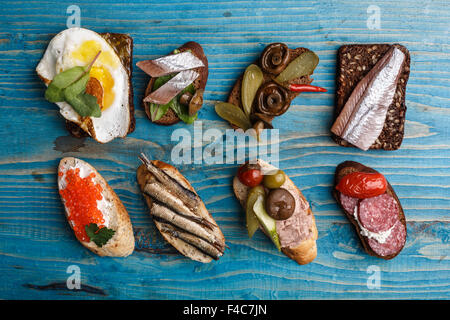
(235, 94)
(354, 62)
(123, 46)
(351, 166)
(200, 83)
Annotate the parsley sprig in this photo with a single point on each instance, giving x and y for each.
(99, 236)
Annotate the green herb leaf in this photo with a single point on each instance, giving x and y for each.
(84, 104)
(78, 86)
(99, 236)
(62, 80)
(158, 111)
(70, 86)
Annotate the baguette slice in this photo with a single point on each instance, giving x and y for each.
(348, 167)
(200, 83)
(186, 249)
(303, 252)
(122, 242)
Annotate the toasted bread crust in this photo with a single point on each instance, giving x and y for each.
(303, 253)
(171, 117)
(122, 243)
(351, 166)
(184, 248)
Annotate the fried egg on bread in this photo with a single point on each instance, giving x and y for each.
(109, 81)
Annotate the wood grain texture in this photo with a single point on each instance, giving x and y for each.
(37, 245)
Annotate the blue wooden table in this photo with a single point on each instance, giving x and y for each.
(37, 245)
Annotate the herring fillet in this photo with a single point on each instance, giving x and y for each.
(159, 192)
(170, 64)
(188, 197)
(363, 116)
(198, 243)
(171, 88)
(168, 215)
(352, 102)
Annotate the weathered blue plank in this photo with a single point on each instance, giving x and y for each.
(37, 246)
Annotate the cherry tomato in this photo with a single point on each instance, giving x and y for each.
(362, 185)
(250, 176)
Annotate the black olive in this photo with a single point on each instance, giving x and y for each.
(280, 204)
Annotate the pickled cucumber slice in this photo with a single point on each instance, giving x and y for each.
(233, 114)
(301, 66)
(267, 222)
(252, 80)
(251, 219)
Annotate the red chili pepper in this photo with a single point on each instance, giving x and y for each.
(362, 185)
(249, 176)
(306, 88)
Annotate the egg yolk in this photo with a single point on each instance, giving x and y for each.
(88, 50)
(86, 53)
(80, 196)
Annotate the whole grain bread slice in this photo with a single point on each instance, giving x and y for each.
(348, 167)
(170, 117)
(123, 46)
(353, 63)
(234, 96)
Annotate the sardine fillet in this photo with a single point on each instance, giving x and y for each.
(197, 242)
(168, 215)
(188, 197)
(159, 192)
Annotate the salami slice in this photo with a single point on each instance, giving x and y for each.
(394, 243)
(349, 203)
(378, 213)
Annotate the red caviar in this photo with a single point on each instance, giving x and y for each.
(80, 196)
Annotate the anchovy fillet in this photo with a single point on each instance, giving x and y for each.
(170, 64)
(158, 192)
(363, 115)
(189, 198)
(168, 215)
(171, 88)
(198, 243)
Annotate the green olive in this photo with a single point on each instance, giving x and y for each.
(275, 180)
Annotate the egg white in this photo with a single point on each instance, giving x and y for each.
(115, 120)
